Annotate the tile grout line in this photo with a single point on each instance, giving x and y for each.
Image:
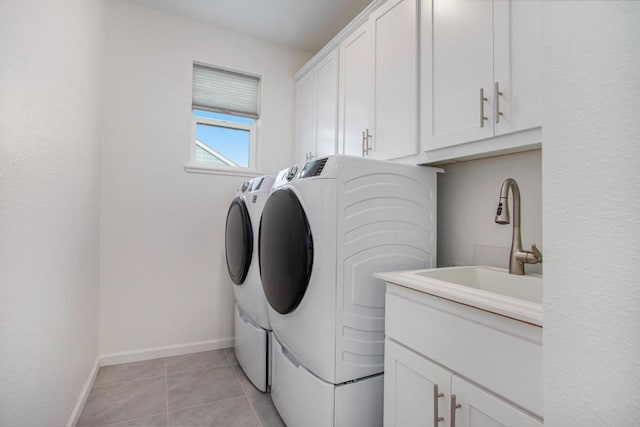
(209, 403)
(246, 394)
(99, 386)
(225, 364)
(127, 421)
(166, 387)
(227, 361)
(190, 371)
(123, 383)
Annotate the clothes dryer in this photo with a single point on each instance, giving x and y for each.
(251, 322)
(325, 230)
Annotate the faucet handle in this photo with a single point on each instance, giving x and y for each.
(536, 252)
(534, 256)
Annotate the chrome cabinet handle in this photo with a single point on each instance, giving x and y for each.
(496, 101)
(454, 406)
(311, 156)
(482, 100)
(366, 136)
(436, 396)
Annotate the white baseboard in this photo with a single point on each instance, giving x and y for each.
(158, 352)
(77, 409)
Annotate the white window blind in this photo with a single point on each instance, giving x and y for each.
(225, 91)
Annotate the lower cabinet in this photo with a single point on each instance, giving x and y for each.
(479, 408)
(449, 364)
(419, 392)
(415, 389)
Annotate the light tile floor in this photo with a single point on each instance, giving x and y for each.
(200, 389)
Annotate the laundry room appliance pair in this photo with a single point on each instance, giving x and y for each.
(325, 229)
(251, 322)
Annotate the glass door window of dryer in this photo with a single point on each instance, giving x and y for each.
(286, 251)
(238, 241)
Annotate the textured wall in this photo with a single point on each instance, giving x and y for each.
(164, 280)
(591, 213)
(468, 194)
(50, 68)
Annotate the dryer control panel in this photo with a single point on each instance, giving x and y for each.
(313, 168)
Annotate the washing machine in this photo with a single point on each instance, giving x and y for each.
(251, 321)
(325, 229)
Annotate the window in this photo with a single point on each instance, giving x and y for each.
(225, 110)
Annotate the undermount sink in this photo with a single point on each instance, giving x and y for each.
(495, 280)
(487, 288)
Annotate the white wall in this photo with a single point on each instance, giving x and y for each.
(50, 81)
(163, 278)
(468, 194)
(591, 213)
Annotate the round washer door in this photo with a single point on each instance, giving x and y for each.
(238, 241)
(286, 251)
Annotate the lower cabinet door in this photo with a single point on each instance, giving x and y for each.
(481, 409)
(416, 391)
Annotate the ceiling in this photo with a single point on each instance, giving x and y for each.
(303, 24)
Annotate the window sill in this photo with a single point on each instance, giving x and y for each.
(195, 168)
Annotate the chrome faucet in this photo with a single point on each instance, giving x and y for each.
(518, 257)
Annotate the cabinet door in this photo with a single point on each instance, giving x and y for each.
(356, 89)
(481, 409)
(409, 389)
(396, 80)
(518, 64)
(305, 117)
(460, 46)
(327, 105)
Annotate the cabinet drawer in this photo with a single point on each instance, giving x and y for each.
(502, 354)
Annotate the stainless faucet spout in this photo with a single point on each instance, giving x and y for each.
(518, 257)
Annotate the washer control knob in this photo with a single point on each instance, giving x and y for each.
(292, 172)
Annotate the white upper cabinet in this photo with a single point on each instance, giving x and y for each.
(395, 131)
(462, 52)
(317, 110)
(481, 67)
(356, 91)
(518, 64)
(327, 105)
(378, 84)
(305, 117)
(426, 81)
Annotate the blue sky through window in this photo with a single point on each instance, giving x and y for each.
(231, 143)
